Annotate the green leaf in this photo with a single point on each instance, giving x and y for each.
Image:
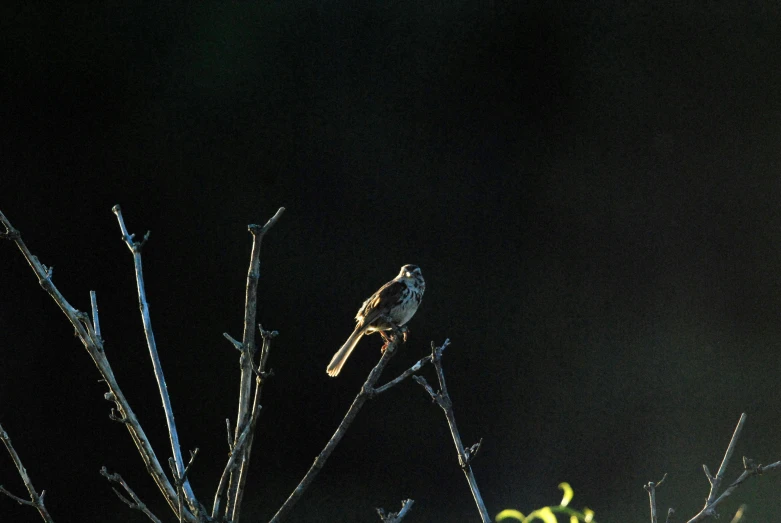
(545, 514)
(568, 493)
(509, 513)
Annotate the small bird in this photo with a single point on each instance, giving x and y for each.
(391, 306)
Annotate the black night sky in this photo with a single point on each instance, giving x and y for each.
(591, 191)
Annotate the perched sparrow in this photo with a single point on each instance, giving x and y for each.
(393, 305)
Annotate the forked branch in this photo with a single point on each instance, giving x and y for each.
(261, 375)
(750, 468)
(396, 517)
(366, 392)
(89, 335)
(246, 362)
(36, 500)
(135, 248)
(465, 455)
(651, 489)
(136, 503)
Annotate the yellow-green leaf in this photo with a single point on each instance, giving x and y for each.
(509, 513)
(568, 493)
(589, 514)
(573, 519)
(545, 514)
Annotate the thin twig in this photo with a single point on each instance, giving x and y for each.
(260, 378)
(365, 393)
(750, 469)
(396, 517)
(716, 482)
(136, 504)
(36, 500)
(651, 489)
(407, 373)
(230, 434)
(248, 343)
(231, 465)
(709, 510)
(135, 249)
(236, 343)
(179, 481)
(95, 318)
(94, 346)
(442, 398)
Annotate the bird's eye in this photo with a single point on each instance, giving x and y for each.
(408, 274)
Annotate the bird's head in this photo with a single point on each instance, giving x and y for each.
(410, 272)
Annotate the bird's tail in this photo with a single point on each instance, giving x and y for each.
(342, 354)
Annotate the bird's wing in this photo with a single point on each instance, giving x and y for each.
(380, 302)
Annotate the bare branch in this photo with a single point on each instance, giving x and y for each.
(651, 489)
(710, 510)
(407, 373)
(365, 393)
(179, 481)
(135, 249)
(396, 517)
(248, 343)
(750, 469)
(442, 398)
(236, 343)
(95, 319)
(231, 465)
(708, 475)
(136, 504)
(19, 500)
(94, 346)
(230, 438)
(36, 500)
(716, 482)
(193, 455)
(260, 377)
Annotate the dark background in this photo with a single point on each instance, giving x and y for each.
(591, 190)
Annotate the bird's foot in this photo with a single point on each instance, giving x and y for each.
(387, 342)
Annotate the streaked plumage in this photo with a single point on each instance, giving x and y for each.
(393, 304)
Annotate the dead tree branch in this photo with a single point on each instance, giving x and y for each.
(407, 373)
(651, 489)
(247, 355)
(136, 503)
(230, 467)
(92, 341)
(36, 500)
(396, 517)
(135, 249)
(261, 375)
(750, 468)
(465, 455)
(366, 392)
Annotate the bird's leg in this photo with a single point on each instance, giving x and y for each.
(387, 341)
(395, 331)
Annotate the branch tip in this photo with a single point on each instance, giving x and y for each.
(236, 344)
(136, 503)
(710, 477)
